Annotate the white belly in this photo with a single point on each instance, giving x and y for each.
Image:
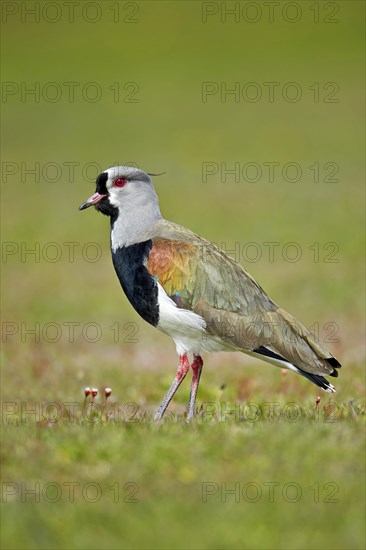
(187, 329)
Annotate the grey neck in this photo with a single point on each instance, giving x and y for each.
(131, 227)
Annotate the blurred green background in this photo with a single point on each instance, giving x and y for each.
(149, 64)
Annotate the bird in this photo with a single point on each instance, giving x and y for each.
(189, 289)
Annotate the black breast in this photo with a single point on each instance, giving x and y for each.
(139, 286)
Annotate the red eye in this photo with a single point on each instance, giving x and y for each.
(120, 182)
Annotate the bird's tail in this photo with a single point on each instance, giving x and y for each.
(294, 347)
(318, 380)
(279, 361)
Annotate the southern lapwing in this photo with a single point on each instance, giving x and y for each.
(188, 288)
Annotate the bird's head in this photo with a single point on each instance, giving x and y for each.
(122, 188)
(127, 195)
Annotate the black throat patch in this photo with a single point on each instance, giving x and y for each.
(139, 286)
(101, 183)
(104, 206)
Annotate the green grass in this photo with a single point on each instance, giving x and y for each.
(169, 464)
(262, 432)
(181, 477)
(250, 440)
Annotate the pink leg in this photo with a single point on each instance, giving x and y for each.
(179, 377)
(197, 369)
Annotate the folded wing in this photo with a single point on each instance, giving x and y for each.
(200, 277)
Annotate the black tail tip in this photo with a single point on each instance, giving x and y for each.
(335, 364)
(318, 380)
